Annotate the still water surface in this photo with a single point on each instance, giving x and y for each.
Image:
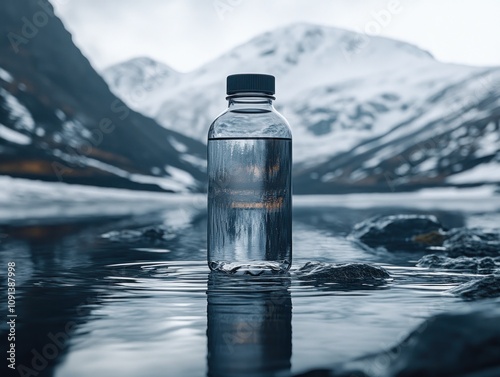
(121, 305)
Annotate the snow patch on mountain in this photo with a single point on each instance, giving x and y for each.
(19, 114)
(200, 163)
(174, 183)
(178, 146)
(6, 76)
(489, 172)
(13, 136)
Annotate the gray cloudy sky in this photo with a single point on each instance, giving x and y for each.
(187, 33)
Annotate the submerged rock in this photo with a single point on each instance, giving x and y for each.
(459, 344)
(324, 273)
(472, 243)
(329, 373)
(487, 287)
(400, 232)
(484, 265)
(149, 234)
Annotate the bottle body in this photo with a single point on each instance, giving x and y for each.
(249, 189)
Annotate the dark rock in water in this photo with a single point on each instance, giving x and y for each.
(487, 287)
(451, 344)
(459, 344)
(138, 235)
(422, 232)
(484, 265)
(351, 273)
(472, 243)
(400, 232)
(154, 234)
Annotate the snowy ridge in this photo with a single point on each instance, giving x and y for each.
(134, 80)
(300, 50)
(361, 108)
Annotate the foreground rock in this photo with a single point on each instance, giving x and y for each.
(400, 232)
(345, 274)
(487, 287)
(484, 265)
(463, 344)
(472, 243)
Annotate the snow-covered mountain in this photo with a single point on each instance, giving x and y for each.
(136, 78)
(366, 112)
(59, 120)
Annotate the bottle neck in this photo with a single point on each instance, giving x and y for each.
(250, 101)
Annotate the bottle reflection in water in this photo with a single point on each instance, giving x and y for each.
(249, 327)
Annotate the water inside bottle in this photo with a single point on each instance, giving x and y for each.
(249, 205)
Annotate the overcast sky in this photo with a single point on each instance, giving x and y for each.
(187, 33)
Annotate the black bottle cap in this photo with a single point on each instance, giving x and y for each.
(250, 82)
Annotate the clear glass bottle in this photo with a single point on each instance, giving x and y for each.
(249, 181)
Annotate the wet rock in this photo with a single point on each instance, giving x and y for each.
(400, 232)
(472, 243)
(450, 344)
(155, 235)
(484, 265)
(434, 238)
(324, 273)
(459, 344)
(123, 235)
(487, 287)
